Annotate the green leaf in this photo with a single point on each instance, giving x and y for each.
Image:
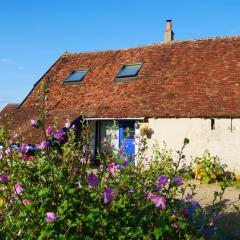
(43, 192)
(157, 232)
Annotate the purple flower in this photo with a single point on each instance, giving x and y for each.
(3, 179)
(188, 197)
(8, 151)
(49, 131)
(24, 149)
(83, 160)
(175, 225)
(178, 181)
(184, 170)
(75, 170)
(34, 123)
(146, 159)
(59, 135)
(108, 194)
(1, 156)
(42, 145)
(148, 195)
(85, 148)
(162, 181)
(25, 202)
(159, 201)
(126, 160)
(115, 136)
(175, 213)
(50, 217)
(18, 188)
(92, 180)
(112, 168)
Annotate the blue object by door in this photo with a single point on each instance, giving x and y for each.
(126, 138)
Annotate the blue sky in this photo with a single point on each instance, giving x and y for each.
(33, 34)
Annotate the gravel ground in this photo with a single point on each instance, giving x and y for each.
(229, 221)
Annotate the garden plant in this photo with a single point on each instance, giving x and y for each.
(60, 193)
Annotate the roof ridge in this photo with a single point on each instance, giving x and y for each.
(153, 45)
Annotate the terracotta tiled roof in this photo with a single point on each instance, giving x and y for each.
(9, 109)
(197, 78)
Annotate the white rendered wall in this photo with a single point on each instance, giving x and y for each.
(221, 141)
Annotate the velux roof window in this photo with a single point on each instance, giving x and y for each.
(128, 71)
(76, 76)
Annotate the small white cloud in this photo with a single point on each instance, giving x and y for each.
(6, 61)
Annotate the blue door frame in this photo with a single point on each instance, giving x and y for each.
(126, 138)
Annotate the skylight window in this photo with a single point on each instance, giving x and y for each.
(129, 71)
(76, 76)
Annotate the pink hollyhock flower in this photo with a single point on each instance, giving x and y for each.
(34, 123)
(85, 148)
(108, 194)
(3, 179)
(59, 135)
(18, 188)
(126, 160)
(112, 168)
(49, 131)
(8, 151)
(42, 145)
(175, 225)
(25, 202)
(148, 195)
(92, 180)
(112, 145)
(50, 217)
(75, 170)
(159, 201)
(83, 160)
(178, 181)
(101, 168)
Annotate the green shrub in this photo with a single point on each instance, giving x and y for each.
(209, 169)
(56, 194)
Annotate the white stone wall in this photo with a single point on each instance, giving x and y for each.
(221, 141)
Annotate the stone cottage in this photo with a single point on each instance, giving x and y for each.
(177, 88)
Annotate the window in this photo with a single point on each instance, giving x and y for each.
(129, 71)
(212, 124)
(76, 76)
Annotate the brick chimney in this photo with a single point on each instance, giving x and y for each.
(168, 34)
